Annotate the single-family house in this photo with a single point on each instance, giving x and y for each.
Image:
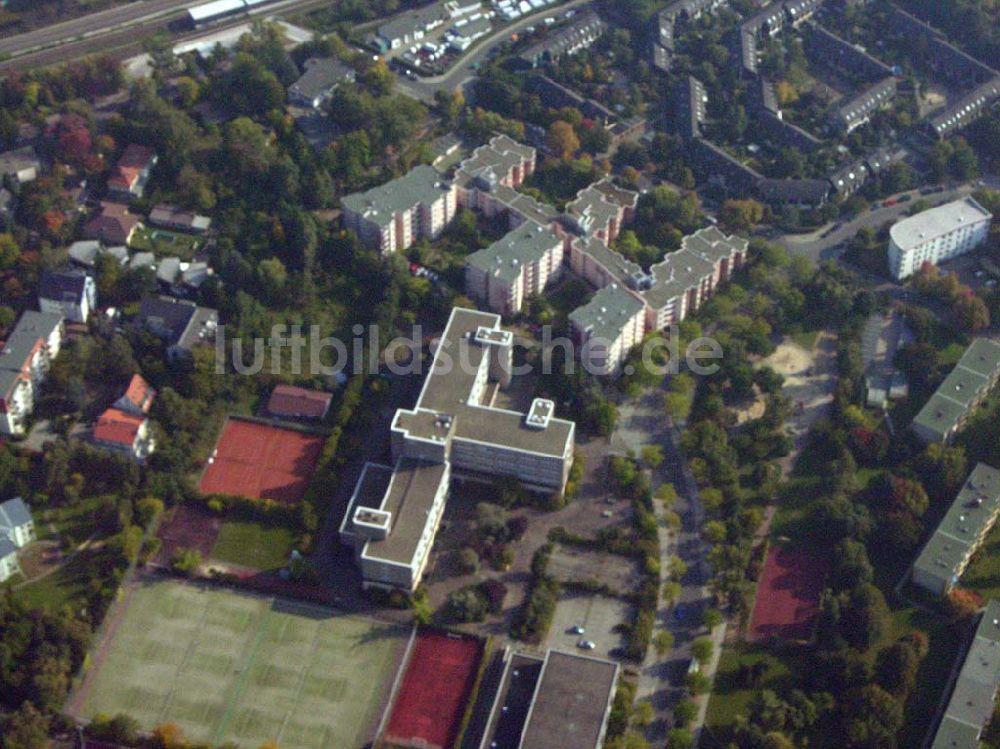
(131, 173)
(17, 529)
(70, 293)
(16, 522)
(124, 433)
(171, 217)
(181, 324)
(112, 224)
(319, 79)
(19, 166)
(138, 397)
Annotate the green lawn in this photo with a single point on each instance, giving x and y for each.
(162, 242)
(983, 572)
(231, 667)
(934, 670)
(729, 699)
(252, 544)
(74, 522)
(806, 339)
(68, 585)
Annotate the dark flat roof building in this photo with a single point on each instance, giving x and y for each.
(572, 703)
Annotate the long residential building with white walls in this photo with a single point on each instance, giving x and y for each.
(503, 275)
(607, 328)
(453, 432)
(936, 235)
(543, 240)
(391, 217)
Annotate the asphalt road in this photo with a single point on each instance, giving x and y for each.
(817, 247)
(461, 72)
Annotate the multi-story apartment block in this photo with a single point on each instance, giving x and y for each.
(965, 110)
(961, 532)
(601, 210)
(579, 35)
(936, 235)
(961, 393)
(688, 277)
(608, 327)
(857, 110)
(690, 101)
(25, 359)
(393, 216)
(823, 45)
(974, 695)
(503, 275)
(453, 431)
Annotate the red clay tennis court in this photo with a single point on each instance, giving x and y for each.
(788, 595)
(435, 690)
(262, 462)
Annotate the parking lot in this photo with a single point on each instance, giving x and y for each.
(571, 564)
(601, 618)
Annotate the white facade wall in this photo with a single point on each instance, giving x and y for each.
(8, 567)
(965, 237)
(19, 407)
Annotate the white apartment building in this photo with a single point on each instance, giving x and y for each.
(391, 217)
(936, 235)
(502, 276)
(687, 278)
(453, 430)
(608, 327)
(25, 360)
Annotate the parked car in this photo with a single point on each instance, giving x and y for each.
(577, 630)
(586, 644)
(680, 611)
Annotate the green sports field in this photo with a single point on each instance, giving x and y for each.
(226, 666)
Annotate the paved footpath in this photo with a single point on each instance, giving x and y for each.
(642, 421)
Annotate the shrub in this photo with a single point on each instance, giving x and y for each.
(466, 605)
(468, 561)
(495, 592)
(185, 561)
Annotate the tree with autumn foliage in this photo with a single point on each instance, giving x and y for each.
(963, 604)
(562, 140)
(971, 312)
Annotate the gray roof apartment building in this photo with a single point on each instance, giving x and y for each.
(690, 106)
(569, 40)
(453, 429)
(858, 109)
(957, 398)
(608, 327)
(960, 533)
(392, 216)
(974, 694)
(829, 49)
(965, 110)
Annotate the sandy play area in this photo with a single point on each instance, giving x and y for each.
(810, 377)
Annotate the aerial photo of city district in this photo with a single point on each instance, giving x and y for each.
(499, 374)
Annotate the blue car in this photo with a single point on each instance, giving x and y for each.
(680, 612)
